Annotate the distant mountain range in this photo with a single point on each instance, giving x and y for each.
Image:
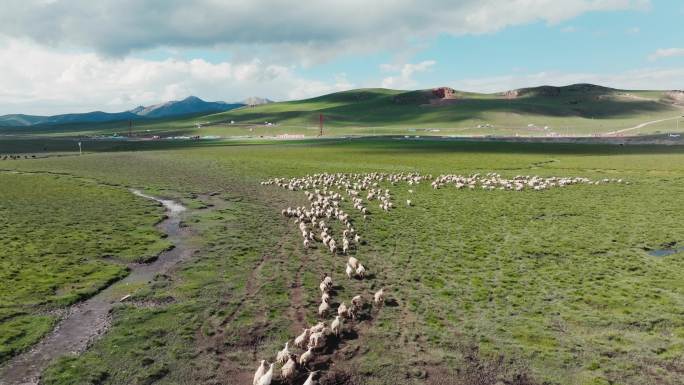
(188, 106)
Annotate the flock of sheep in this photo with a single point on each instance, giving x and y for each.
(15, 157)
(493, 181)
(325, 195)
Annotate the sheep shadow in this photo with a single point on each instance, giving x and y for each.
(391, 302)
(333, 342)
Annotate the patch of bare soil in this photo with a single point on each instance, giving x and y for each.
(297, 311)
(476, 370)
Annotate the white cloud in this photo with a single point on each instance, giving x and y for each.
(323, 27)
(41, 81)
(647, 78)
(404, 78)
(43, 67)
(666, 52)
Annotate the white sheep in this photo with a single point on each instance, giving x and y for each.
(289, 370)
(284, 354)
(324, 288)
(325, 297)
(379, 297)
(342, 310)
(357, 301)
(328, 280)
(323, 309)
(306, 357)
(408, 202)
(336, 326)
(349, 271)
(259, 372)
(316, 340)
(353, 262)
(360, 271)
(302, 338)
(319, 327)
(267, 378)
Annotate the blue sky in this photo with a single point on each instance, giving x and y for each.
(64, 56)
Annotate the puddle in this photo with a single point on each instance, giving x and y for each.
(666, 252)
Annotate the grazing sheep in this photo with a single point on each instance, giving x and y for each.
(328, 281)
(343, 311)
(323, 309)
(284, 354)
(319, 327)
(353, 262)
(306, 357)
(325, 297)
(324, 288)
(349, 271)
(316, 340)
(408, 202)
(301, 339)
(361, 271)
(336, 326)
(289, 370)
(259, 372)
(379, 297)
(357, 301)
(310, 380)
(267, 378)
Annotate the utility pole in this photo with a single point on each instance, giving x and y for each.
(80, 150)
(320, 125)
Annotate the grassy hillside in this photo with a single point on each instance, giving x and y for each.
(573, 109)
(541, 111)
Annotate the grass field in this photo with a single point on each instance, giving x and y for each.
(62, 240)
(527, 287)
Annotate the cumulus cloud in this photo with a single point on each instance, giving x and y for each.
(40, 81)
(404, 78)
(117, 27)
(646, 78)
(666, 52)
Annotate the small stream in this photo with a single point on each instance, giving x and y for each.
(88, 320)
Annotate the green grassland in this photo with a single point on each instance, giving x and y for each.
(547, 287)
(62, 240)
(577, 110)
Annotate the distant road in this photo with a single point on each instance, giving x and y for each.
(642, 125)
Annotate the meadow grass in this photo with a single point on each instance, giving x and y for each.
(557, 282)
(62, 240)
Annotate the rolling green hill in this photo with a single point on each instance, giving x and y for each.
(580, 109)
